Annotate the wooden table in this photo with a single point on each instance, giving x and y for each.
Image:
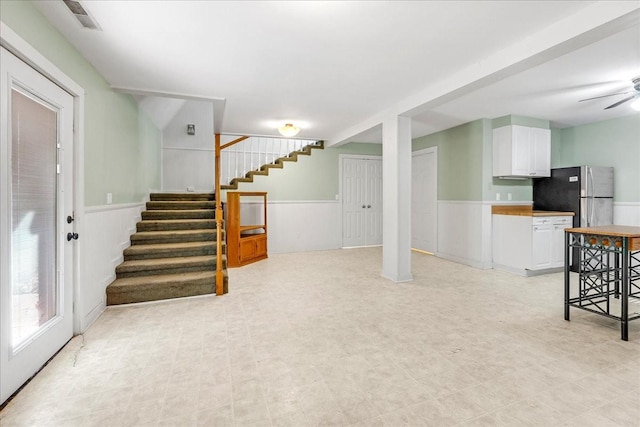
(609, 267)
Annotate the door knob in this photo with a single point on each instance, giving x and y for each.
(363, 206)
(70, 219)
(368, 206)
(72, 236)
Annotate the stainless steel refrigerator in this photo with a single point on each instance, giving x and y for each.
(585, 190)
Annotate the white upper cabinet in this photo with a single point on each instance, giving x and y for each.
(521, 151)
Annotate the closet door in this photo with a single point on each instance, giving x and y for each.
(353, 202)
(373, 199)
(361, 202)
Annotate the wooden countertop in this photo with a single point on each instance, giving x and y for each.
(525, 210)
(633, 233)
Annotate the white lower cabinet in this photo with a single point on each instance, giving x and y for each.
(541, 246)
(527, 243)
(547, 243)
(557, 257)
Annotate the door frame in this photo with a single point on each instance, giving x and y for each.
(15, 44)
(341, 158)
(430, 150)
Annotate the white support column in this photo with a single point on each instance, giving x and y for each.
(396, 198)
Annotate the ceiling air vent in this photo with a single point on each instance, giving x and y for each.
(81, 14)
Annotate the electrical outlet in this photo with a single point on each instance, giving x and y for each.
(191, 188)
(497, 196)
(109, 198)
(508, 196)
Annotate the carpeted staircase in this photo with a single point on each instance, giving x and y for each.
(173, 252)
(278, 164)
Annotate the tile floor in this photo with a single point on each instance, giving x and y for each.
(321, 339)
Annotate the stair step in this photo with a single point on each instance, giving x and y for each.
(262, 172)
(155, 266)
(182, 204)
(165, 250)
(293, 158)
(175, 224)
(182, 196)
(173, 236)
(179, 214)
(166, 286)
(247, 179)
(272, 165)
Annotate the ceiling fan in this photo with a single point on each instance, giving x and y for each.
(635, 92)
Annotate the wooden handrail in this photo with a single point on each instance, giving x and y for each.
(219, 274)
(235, 141)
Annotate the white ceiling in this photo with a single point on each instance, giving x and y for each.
(336, 67)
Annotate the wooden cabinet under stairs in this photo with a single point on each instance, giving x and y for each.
(173, 252)
(246, 227)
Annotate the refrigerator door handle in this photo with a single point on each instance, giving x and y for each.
(590, 188)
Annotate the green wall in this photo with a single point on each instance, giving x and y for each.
(314, 177)
(465, 157)
(464, 165)
(614, 142)
(459, 160)
(122, 146)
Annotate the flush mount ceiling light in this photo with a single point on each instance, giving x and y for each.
(288, 130)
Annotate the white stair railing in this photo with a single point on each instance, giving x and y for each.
(254, 152)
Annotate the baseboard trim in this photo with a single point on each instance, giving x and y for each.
(465, 261)
(526, 272)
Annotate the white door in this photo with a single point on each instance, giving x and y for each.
(424, 200)
(36, 158)
(373, 211)
(353, 206)
(361, 202)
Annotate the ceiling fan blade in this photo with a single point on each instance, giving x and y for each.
(605, 96)
(621, 102)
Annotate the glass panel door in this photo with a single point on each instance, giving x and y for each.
(36, 195)
(34, 287)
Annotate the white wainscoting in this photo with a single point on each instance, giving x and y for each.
(107, 231)
(299, 226)
(464, 232)
(464, 236)
(626, 213)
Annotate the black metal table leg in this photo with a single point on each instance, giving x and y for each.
(617, 273)
(567, 239)
(625, 289)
